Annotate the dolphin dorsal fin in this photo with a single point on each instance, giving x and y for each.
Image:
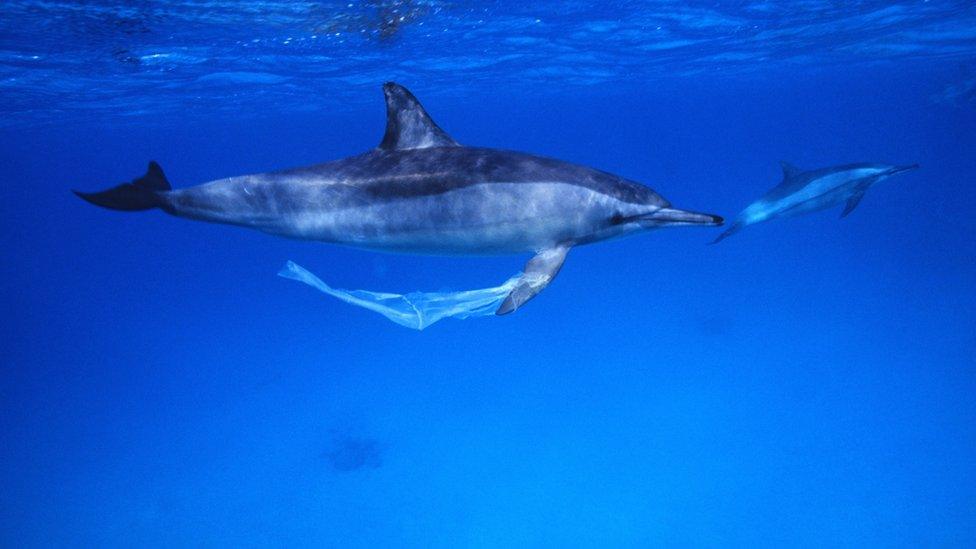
(408, 126)
(789, 170)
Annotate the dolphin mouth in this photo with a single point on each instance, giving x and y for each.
(900, 169)
(673, 217)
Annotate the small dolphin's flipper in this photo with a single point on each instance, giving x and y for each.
(538, 273)
(415, 310)
(852, 203)
(139, 194)
(408, 126)
(856, 197)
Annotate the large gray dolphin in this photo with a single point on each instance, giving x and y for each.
(809, 191)
(420, 191)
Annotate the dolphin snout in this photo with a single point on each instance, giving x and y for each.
(900, 169)
(672, 216)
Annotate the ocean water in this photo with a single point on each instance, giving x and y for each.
(808, 382)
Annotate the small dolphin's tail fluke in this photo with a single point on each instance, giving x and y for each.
(139, 194)
(733, 228)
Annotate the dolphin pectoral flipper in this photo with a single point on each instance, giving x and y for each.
(538, 273)
(856, 197)
(852, 203)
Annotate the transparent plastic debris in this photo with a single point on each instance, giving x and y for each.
(415, 310)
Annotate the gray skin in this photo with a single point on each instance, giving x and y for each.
(803, 192)
(422, 192)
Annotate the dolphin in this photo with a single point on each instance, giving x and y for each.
(803, 191)
(420, 191)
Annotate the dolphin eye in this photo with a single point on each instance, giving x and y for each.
(617, 218)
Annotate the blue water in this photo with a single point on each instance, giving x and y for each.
(808, 382)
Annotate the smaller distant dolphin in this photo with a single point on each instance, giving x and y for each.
(802, 192)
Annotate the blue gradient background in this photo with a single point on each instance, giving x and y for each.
(806, 382)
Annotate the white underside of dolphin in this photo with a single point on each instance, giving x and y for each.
(422, 192)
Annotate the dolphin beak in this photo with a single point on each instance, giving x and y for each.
(672, 217)
(899, 169)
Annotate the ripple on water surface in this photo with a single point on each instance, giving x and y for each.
(97, 59)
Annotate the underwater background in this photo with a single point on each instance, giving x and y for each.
(808, 382)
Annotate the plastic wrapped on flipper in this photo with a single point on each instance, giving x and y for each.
(417, 309)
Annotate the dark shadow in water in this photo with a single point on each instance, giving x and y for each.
(123, 55)
(379, 19)
(714, 324)
(110, 25)
(351, 453)
(114, 29)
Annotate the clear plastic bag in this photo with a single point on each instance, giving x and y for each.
(417, 309)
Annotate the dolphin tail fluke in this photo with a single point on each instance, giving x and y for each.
(139, 194)
(733, 228)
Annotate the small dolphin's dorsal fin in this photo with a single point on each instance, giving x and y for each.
(789, 170)
(408, 126)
